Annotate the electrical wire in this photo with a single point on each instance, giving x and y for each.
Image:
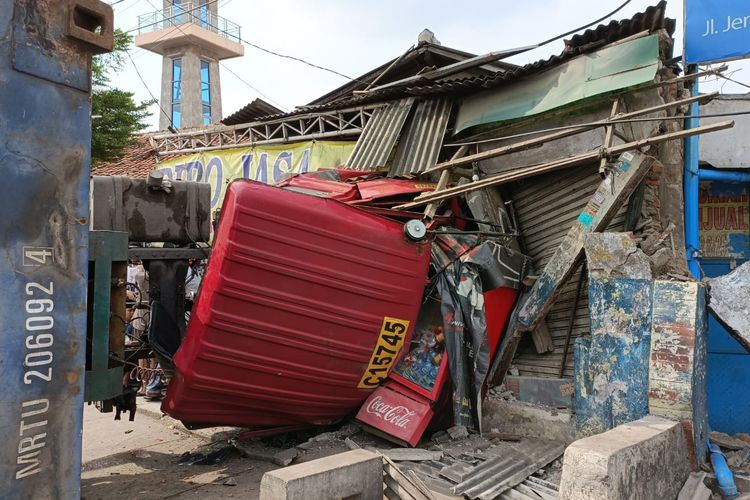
(600, 123)
(281, 106)
(138, 373)
(299, 59)
(156, 101)
(555, 38)
(294, 58)
(734, 81)
(338, 73)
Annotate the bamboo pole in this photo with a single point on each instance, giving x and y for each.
(530, 143)
(523, 173)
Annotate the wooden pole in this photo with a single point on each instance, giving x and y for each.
(429, 211)
(608, 136)
(530, 143)
(523, 173)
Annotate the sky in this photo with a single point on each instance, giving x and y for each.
(353, 37)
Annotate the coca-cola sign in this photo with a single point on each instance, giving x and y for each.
(397, 415)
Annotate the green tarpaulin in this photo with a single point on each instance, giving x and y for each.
(598, 73)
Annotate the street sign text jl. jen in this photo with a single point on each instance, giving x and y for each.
(716, 30)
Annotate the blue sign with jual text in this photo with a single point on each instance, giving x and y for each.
(716, 30)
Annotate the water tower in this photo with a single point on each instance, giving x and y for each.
(192, 38)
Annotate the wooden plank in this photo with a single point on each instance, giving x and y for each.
(445, 176)
(542, 339)
(530, 143)
(609, 132)
(398, 489)
(400, 479)
(410, 454)
(625, 176)
(571, 323)
(531, 171)
(420, 484)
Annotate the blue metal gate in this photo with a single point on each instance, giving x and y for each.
(45, 138)
(726, 244)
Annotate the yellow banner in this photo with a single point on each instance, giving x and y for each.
(268, 164)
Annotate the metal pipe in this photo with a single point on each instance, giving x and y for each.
(723, 475)
(723, 175)
(692, 186)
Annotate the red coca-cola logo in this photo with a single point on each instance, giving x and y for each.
(400, 416)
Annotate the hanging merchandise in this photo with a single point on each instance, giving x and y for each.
(460, 325)
(466, 270)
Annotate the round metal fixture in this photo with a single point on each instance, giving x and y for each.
(415, 230)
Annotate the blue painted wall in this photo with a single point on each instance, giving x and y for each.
(612, 365)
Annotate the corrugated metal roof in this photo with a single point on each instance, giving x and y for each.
(251, 112)
(419, 146)
(512, 464)
(379, 136)
(532, 489)
(650, 20)
(417, 58)
(504, 470)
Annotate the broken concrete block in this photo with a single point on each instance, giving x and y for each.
(612, 255)
(644, 459)
(251, 450)
(730, 302)
(285, 457)
(726, 441)
(458, 432)
(355, 473)
(528, 420)
(348, 430)
(677, 365)
(324, 437)
(611, 365)
(734, 459)
(351, 444)
(440, 437)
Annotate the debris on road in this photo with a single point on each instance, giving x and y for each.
(695, 488)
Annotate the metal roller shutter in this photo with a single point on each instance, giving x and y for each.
(546, 207)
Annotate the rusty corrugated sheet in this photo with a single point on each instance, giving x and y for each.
(379, 136)
(251, 112)
(419, 146)
(510, 466)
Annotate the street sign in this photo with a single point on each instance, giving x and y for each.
(716, 30)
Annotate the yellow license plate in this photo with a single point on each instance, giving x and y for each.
(390, 342)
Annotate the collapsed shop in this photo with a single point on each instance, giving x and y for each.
(466, 242)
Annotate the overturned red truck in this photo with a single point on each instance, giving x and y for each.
(320, 302)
